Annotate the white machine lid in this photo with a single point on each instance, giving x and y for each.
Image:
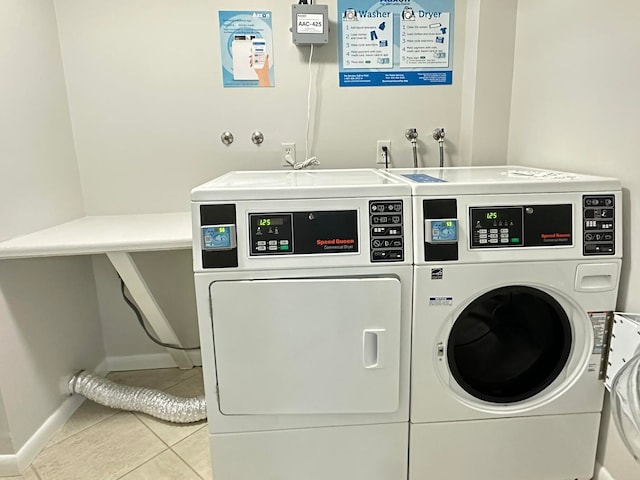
(498, 179)
(300, 184)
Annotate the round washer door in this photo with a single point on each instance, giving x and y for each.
(509, 344)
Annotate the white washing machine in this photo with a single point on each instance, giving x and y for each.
(516, 278)
(303, 285)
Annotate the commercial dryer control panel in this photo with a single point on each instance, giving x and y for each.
(331, 231)
(308, 232)
(376, 229)
(387, 230)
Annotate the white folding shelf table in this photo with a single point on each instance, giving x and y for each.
(116, 236)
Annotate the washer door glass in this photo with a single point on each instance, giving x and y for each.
(509, 344)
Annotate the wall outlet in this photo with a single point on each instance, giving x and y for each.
(288, 149)
(381, 156)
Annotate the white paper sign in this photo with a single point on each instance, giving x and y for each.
(368, 43)
(310, 23)
(424, 41)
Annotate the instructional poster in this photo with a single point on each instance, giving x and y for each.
(395, 42)
(246, 40)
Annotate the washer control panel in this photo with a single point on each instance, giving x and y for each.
(599, 225)
(387, 233)
(496, 227)
(522, 226)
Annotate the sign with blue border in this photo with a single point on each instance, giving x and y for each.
(395, 42)
(423, 178)
(246, 42)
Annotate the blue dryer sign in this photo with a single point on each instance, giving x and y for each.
(395, 42)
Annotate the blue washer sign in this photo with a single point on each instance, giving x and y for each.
(219, 237)
(423, 178)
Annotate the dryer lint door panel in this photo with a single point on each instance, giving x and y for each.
(307, 346)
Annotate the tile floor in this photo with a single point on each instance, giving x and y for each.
(99, 443)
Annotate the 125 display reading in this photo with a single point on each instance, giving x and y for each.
(269, 222)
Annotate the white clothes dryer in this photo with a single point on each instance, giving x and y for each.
(303, 286)
(516, 278)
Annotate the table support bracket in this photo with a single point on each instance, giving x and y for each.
(141, 294)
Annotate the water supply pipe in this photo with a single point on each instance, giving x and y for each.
(438, 135)
(412, 135)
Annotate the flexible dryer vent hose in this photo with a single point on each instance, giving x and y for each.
(138, 399)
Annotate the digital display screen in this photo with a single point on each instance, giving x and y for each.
(270, 221)
(496, 216)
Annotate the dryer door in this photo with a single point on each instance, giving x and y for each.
(509, 344)
(314, 345)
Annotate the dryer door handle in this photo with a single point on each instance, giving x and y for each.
(371, 346)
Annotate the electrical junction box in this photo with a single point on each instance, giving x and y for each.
(310, 24)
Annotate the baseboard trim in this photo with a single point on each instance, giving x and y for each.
(16, 464)
(602, 473)
(148, 362)
(9, 466)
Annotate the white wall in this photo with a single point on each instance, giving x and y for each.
(148, 106)
(6, 439)
(576, 106)
(48, 308)
(488, 74)
(39, 185)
